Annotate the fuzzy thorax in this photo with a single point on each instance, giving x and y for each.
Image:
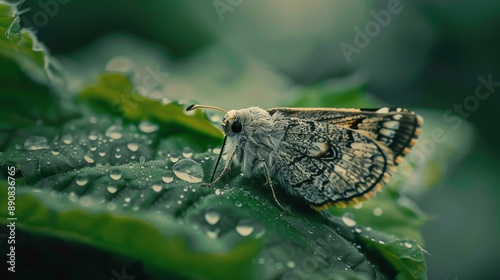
(254, 143)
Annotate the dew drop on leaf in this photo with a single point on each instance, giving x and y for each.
(55, 150)
(148, 127)
(213, 234)
(93, 135)
(168, 176)
(377, 211)
(348, 221)
(111, 206)
(88, 159)
(174, 157)
(212, 217)
(81, 179)
(408, 245)
(35, 143)
(112, 188)
(133, 147)
(85, 201)
(67, 139)
(157, 187)
(142, 159)
(187, 152)
(188, 170)
(244, 227)
(114, 132)
(115, 174)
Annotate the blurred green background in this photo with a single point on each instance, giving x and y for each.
(419, 54)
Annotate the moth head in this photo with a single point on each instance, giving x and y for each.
(244, 121)
(230, 123)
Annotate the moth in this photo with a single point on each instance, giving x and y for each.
(325, 156)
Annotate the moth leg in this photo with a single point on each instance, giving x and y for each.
(269, 181)
(227, 167)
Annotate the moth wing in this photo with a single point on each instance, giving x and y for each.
(396, 128)
(330, 165)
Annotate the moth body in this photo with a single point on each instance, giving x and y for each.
(325, 156)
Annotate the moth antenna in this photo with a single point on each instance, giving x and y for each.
(196, 106)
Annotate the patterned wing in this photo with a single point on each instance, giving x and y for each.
(396, 128)
(330, 165)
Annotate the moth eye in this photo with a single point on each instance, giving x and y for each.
(236, 126)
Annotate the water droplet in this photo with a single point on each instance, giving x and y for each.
(188, 170)
(111, 206)
(358, 205)
(168, 176)
(93, 135)
(118, 155)
(148, 127)
(290, 264)
(81, 179)
(127, 199)
(67, 139)
(142, 159)
(93, 120)
(261, 260)
(133, 146)
(86, 201)
(174, 157)
(115, 174)
(218, 192)
(55, 150)
(213, 234)
(377, 211)
(368, 228)
(348, 221)
(114, 132)
(157, 187)
(244, 228)
(102, 154)
(216, 151)
(112, 188)
(212, 217)
(408, 245)
(35, 143)
(187, 152)
(88, 159)
(381, 242)
(238, 204)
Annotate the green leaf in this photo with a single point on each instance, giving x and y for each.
(115, 93)
(27, 74)
(157, 240)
